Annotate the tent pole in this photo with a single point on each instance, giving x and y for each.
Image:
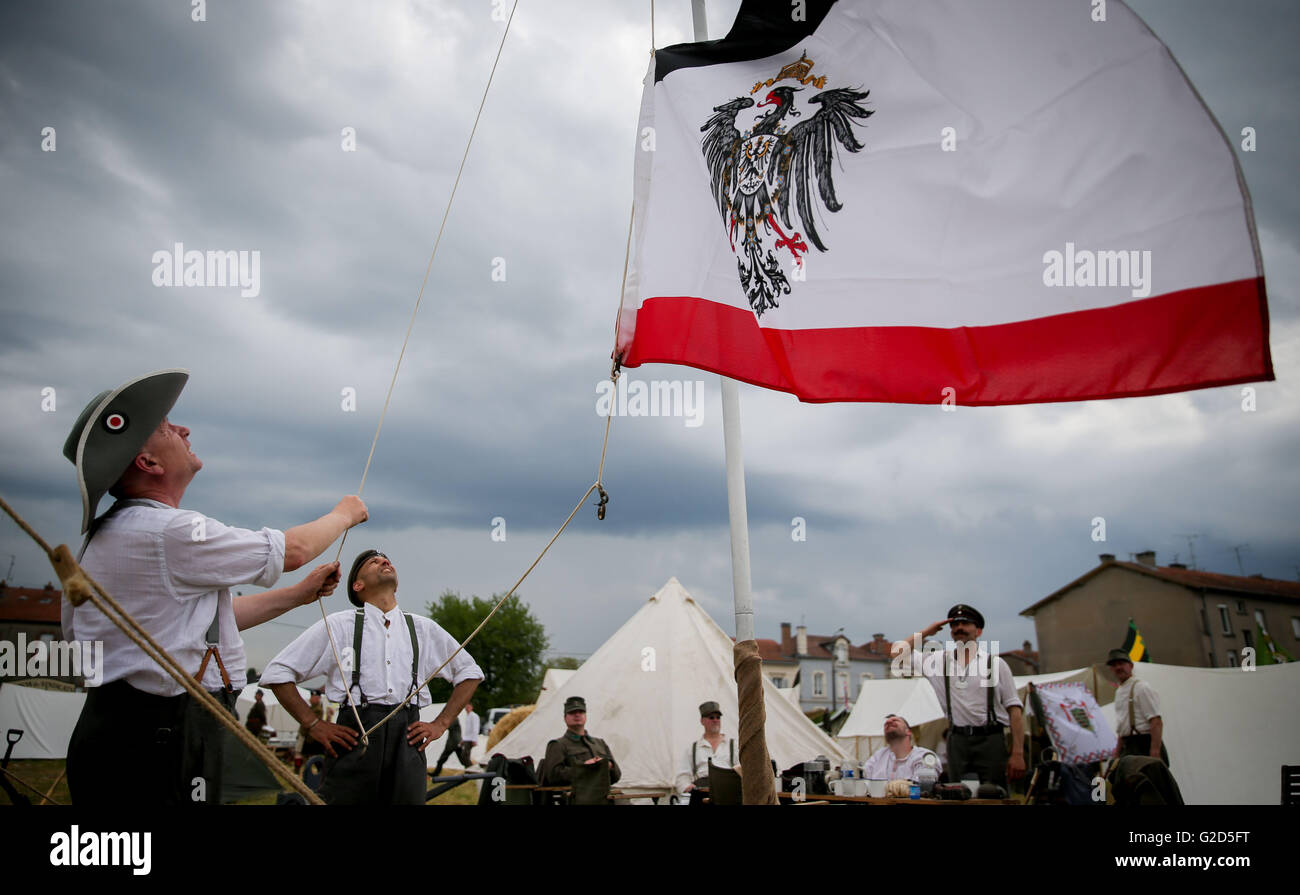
(758, 784)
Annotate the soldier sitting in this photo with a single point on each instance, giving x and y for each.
(578, 760)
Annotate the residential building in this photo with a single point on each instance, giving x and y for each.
(1185, 616)
(828, 669)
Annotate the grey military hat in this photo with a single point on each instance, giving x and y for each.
(575, 704)
(708, 708)
(113, 428)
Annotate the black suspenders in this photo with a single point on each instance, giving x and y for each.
(947, 692)
(358, 626)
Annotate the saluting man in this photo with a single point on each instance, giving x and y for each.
(393, 653)
(140, 739)
(978, 695)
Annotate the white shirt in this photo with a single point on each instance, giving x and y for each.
(469, 726)
(1146, 705)
(172, 570)
(385, 657)
(969, 695)
(703, 752)
(884, 765)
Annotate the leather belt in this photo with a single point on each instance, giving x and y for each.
(982, 730)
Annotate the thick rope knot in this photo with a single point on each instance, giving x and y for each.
(76, 586)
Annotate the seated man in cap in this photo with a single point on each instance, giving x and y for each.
(1137, 711)
(899, 759)
(579, 760)
(979, 699)
(714, 746)
(140, 738)
(393, 653)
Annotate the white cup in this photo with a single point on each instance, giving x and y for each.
(876, 788)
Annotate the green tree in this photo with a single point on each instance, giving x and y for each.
(570, 662)
(509, 648)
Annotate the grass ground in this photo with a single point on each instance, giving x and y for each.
(42, 774)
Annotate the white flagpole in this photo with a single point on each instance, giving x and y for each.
(758, 781)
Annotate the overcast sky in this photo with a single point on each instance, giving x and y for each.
(228, 134)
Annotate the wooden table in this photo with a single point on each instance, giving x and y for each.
(868, 800)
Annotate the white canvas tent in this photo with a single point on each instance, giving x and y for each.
(46, 718)
(554, 679)
(643, 689)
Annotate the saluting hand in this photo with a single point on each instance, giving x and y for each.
(330, 735)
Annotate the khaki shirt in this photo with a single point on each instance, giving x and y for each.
(571, 750)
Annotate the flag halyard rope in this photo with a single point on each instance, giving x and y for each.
(419, 297)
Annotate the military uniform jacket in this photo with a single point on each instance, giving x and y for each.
(569, 751)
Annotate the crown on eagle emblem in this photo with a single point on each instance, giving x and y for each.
(798, 71)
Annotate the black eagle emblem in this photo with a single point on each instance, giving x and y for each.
(754, 173)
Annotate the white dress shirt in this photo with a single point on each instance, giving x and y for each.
(884, 765)
(469, 726)
(172, 570)
(1146, 705)
(703, 752)
(385, 657)
(969, 695)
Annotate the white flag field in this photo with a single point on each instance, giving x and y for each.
(990, 202)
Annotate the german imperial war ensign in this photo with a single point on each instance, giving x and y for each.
(983, 203)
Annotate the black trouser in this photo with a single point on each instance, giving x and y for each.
(134, 748)
(1140, 744)
(389, 771)
(984, 754)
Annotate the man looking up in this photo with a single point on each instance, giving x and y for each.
(393, 652)
(140, 739)
(899, 759)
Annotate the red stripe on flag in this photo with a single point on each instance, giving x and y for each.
(1196, 338)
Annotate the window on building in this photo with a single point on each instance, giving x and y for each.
(819, 683)
(778, 680)
(841, 653)
(1225, 619)
(1232, 658)
(842, 686)
(1241, 607)
(1249, 637)
(1259, 620)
